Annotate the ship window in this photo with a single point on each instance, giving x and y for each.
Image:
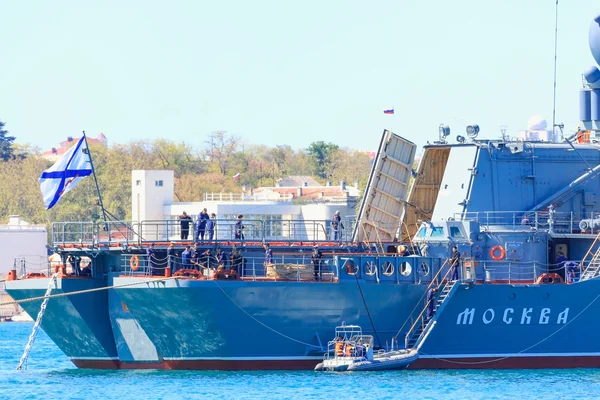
(455, 232)
(437, 231)
(138, 183)
(370, 268)
(351, 267)
(387, 268)
(158, 183)
(422, 232)
(405, 268)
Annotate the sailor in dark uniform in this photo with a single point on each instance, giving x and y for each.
(455, 263)
(316, 259)
(431, 302)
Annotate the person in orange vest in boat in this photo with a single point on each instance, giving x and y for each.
(349, 349)
(339, 346)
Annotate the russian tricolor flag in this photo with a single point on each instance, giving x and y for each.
(388, 111)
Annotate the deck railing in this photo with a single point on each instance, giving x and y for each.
(548, 220)
(133, 233)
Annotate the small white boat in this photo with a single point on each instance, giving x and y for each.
(353, 351)
(397, 359)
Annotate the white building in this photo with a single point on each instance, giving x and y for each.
(287, 213)
(23, 244)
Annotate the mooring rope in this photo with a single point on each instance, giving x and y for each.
(52, 296)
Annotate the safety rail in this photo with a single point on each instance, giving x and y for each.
(514, 272)
(288, 268)
(268, 196)
(548, 220)
(593, 268)
(32, 264)
(133, 233)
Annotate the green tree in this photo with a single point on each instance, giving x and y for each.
(220, 151)
(320, 154)
(6, 150)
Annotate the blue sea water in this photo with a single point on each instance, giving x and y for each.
(50, 375)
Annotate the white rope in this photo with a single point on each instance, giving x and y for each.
(86, 291)
(262, 323)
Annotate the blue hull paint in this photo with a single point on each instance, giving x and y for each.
(262, 320)
(79, 325)
(517, 320)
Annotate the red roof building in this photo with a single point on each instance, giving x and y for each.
(57, 152)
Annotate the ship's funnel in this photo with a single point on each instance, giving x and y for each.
(589, 97)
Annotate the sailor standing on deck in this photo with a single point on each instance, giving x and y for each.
(185, 257)
(239, 228)
(210, 226)
(184, 221)
(201, 225)
(151, 258)
(172, 262)
(268, 255)
(316, 259)
(455, 262)
(337, 226)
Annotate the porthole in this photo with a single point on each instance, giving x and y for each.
(387, 268)
(370, 268)
(405, 268)
(351, 267)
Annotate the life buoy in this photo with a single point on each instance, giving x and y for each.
(549, 278)
(497, 253)
(134, 262)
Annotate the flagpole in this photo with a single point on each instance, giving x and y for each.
(101, 204)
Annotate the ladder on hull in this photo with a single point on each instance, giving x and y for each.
(593, 268)
(422, 326)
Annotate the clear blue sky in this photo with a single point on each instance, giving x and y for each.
(282, 72)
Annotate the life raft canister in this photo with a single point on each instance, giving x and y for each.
(549, 278)
(497, 253)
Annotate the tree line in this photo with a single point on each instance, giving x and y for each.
(197, 171)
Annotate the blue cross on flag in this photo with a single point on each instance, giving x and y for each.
(65, 173)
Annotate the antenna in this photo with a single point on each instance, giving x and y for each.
(555, 59)
(503, 129)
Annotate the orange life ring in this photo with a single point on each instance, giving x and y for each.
(549, 278)
(134, 262)
(497, 257)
